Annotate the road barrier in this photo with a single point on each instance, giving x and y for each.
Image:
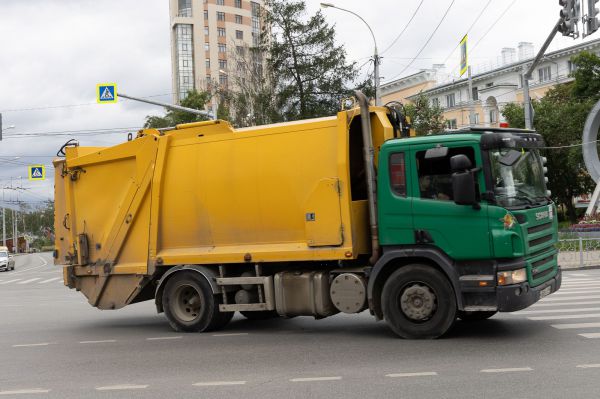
(579, 252)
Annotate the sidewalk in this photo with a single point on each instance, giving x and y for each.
(575, 260)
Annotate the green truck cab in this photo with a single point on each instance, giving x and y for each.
(472, 202)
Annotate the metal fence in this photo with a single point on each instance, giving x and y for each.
(579, 252)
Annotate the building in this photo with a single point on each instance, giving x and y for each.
(493, 88)
(204, 34)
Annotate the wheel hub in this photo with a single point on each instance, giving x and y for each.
(418, 302)
(188, 303)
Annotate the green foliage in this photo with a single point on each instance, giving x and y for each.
(34, 222)
(425, 118)
(560, 116)
(194, 99)
(309, 71)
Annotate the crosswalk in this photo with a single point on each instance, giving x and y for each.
(27, 280)
(575, 307)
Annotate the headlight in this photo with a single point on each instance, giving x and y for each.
(512, 277)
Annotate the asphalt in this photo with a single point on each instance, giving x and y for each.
(55, 345)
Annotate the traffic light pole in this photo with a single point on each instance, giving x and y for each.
(529, 72)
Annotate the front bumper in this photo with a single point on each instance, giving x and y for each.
(519, 296)
(4, 266)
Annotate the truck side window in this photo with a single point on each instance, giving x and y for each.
(435, 175)
(398, 174)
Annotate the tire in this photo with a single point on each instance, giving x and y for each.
(261, 315)
(475, 316)
(190, 305)
(418, 302)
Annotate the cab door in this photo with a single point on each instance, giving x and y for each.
(461, 231)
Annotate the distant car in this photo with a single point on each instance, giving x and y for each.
(6, 261)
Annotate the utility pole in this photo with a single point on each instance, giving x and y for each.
(470, 98)
(3, 226)
(15, 232)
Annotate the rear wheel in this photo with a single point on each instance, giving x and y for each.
(475, 316)
(190, 305)
(418, 302)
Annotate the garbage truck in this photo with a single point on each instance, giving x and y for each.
(346, 213)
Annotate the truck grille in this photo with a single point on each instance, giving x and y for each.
(540, 240)
(539, 228)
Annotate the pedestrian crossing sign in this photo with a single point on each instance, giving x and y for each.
(106, 93)
(37, 172)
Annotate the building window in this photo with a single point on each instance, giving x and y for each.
(220, 2)
(185, 8)
(450, 100)
(493, 116)
(572, 67)
(545, 74)
(475, 94)
(255, 24)
(476, 119)
(222, 64)
(238, 3)
(220, 16)
(184, 67)
(451, 123)
(206, 30)
(222, 48)
(221, 32)
(240, 50)
(205, 14)
(239, 34)
(207, 63)
(223, 80)
(239, 19)
(435, 102)
(206, 46)
(398, 174)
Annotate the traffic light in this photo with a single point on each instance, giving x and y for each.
(590, 20)
(569, 15)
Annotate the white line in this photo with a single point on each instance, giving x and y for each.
(24, 391)
(579, 286)
(218, 383)
(10, 281)
(509, 370)
(573, 298)
(564, 317)
(229, 335)
(588, 366)
(537, 305)
(29, 281)
(557, 311)
(50, 279)
(590, 335)
(584, 291)
(98, 342)
(576, 325)
(578, 274)
(161, 338)
(120, 387)
(315, 379)
(578, 279)
(422, 374)
(28, 345)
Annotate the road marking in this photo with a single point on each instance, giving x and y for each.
(577, 279)
(315, 379)
(98, 342)
(10, 281)
(508, 370)
(577, 292)
(564, 317)
(588, 366)
(161, 338)
(28, 345)
(50, 279)
(29, 281)
(120, 387)
(24, 391)
(556, 311)
(537, 305)
(572, 287)
(579, 274)
(218, 383)
(422, 374)
(33, 268)
(590, 335)
(573, 298)
(576, 325)
(229, 335)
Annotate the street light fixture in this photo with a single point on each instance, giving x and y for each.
(375, 55)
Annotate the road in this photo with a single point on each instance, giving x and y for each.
(54, 345)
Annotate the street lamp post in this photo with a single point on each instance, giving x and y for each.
(376, 60)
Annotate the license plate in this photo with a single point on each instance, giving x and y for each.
(545, 292)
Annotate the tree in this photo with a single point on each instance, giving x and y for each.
(560, 116)
(309, 71)
(193, 99)
(425, 118)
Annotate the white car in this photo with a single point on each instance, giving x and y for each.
(6, 260)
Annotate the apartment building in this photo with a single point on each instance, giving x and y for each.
(491, 89)
(204, 35)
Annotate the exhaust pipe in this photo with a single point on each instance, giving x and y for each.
(365, 118)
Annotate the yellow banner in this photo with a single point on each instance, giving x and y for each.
(463, 56)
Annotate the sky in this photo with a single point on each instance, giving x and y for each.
(54, 52)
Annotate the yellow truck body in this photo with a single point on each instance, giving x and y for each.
(208, 194)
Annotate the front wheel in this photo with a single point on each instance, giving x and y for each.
(191, 306)
(418, 302)
(475, 316)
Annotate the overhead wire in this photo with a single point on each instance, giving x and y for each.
(405, 27)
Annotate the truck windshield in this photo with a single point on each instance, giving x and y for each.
(518, 177)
